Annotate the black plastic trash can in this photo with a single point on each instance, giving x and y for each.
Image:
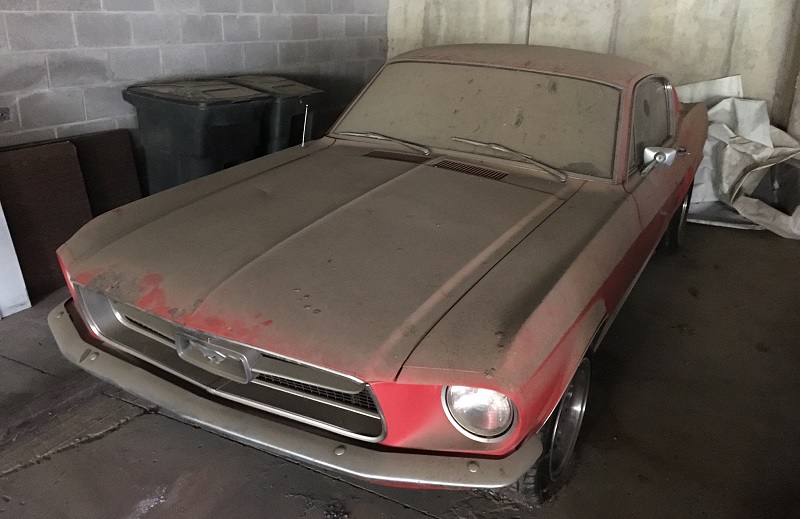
(293, 103)
(193, 128)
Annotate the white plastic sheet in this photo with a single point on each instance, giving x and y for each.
(741, 148)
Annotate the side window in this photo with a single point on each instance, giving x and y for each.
(651, 118)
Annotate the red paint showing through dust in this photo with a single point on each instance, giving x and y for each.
(84, 277)
(213, 321)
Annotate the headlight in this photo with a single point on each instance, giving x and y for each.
(481, 414)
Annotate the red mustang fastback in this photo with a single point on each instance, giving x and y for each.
(414, 298)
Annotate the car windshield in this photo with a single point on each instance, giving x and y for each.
(567, 123)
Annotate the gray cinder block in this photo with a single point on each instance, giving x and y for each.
(343, 6)
(332, 26)
(320, 51)
(226, 58)
(220, 6)
(318, 6)
(51, 108)
(345, 49)
(202, 28)
(304, 27)
(106, 101)
(183, 61)
(289, 6)
(274, 27)
(135, 64)
(261, 56)
(367, 48)
(370, 6)
(240, 27)
(156, 29)
(354, 26)
(177, 6)
(102, 30)
(69, 5)
(257, 6)
(291, 52)
(21, 72)
(78, 67)
(377, 26)
(37, 31)
(129, 5)
(17, 5)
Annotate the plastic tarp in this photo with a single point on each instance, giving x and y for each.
(742, 155)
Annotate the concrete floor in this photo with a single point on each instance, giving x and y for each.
(694, 412)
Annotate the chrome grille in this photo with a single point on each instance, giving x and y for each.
(362, 399)
(285, 387)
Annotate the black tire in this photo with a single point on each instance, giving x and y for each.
(557, 463)
(673, 239)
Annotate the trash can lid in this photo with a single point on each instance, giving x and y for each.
(199, 92)
(277, 86)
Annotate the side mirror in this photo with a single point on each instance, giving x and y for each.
(656, 157)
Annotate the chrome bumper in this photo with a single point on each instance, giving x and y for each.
(341, 456)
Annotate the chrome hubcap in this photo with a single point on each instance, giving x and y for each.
(568, 420)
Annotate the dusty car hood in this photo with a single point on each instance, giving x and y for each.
(338, 259)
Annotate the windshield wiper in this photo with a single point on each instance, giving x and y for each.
(527, 158)
(382, 137)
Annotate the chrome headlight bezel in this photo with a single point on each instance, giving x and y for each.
(510, 427)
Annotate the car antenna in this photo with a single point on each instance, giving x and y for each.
(305, 118)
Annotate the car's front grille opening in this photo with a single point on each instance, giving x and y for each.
(145, 327)
(362, 400)
(331, 401)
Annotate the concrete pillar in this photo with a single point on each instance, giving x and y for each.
(422, 23)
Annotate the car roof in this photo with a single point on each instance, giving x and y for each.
(606, 68)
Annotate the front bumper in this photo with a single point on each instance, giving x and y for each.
(338, 455)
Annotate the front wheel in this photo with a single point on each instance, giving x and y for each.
(552, 470)
(673, 239)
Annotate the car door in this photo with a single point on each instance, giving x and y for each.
(654, 123)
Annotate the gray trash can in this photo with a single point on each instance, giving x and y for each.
(293, 103)
(193, 128)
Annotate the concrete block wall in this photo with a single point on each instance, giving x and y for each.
(64, 63)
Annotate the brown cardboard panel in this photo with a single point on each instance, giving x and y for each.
(109, 171)
(44, 200)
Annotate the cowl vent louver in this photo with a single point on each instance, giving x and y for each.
(470, 169)
(404, 157)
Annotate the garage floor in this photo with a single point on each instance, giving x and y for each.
(694, 412)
